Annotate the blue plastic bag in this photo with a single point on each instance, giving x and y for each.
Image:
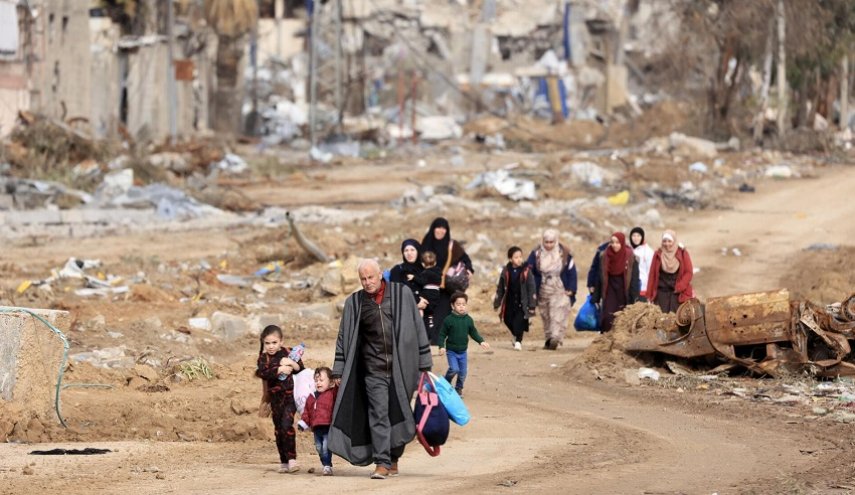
(588, 319)
(451, 400)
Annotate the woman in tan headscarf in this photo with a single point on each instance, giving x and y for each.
(555, 282)
(669, 283)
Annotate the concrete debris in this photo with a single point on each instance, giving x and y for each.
(231, 164)
(438, 128)
(591, 174)
(780, 172)
(323, 311)
(234, 280)
(200, 323)
(501, 181)
(171, 161)
(227, 326)
(26, 194)
(170, 203)
(680, 144)
(321, 156)
(699, 167)
(332, 281)
(649, 374)
(108, 357)
(115, 184)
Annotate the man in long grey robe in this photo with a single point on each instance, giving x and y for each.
(381, 348)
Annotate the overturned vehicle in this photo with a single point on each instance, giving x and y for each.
(764, 332)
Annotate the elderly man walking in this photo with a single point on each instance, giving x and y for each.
(381, 348)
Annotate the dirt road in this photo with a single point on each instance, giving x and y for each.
(536, 429)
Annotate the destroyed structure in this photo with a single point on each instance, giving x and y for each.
(766, 333)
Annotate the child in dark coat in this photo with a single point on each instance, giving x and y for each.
(516, 296)
(318, 415)
(273, 361)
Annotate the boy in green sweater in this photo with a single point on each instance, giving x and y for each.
(456, 329)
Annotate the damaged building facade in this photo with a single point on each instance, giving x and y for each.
(391, 60)
(69, 61)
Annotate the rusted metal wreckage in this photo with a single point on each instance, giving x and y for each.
(765, 332)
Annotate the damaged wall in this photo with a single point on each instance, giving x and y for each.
(14, 90)
(62, 80)
(30, 355)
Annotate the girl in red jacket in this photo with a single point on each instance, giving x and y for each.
(318, 415)
(670, 281)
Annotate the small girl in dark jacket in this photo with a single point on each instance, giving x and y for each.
(318, 415)
(516, 296)
(273, 361)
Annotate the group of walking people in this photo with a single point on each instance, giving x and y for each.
(624, 273)
(361, 409)
(621, 274)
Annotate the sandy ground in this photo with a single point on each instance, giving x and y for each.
(535, 427)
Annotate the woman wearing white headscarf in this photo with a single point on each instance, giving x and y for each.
(669, 283)
(555, 282)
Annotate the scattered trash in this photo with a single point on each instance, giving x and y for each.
(108, 357)
(736, 252)
(591, 174)
(648, 373)
(231, 164)
(272, 267)
(86, 451)
(745, 188)
(200, 324)
(320, 156)
(234, 280)
(780, 172)
(619, 199)
(438, 128)
(501, 180)
(699, 167)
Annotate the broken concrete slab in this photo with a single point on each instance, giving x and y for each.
(332, 282)
(30, 357)
(689, 146)
(323, 311)
(228, 326)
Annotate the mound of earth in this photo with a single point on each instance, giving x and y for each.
(823, 276)
(607, 355)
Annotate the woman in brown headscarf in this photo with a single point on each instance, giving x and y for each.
(619, 286)
(670, 281)
(555, 282)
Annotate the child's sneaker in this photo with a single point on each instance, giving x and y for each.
(517, 346)
(283, 468)
(460, 392)
(292, 466)
(327, 471)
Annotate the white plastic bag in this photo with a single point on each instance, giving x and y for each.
(304, 386)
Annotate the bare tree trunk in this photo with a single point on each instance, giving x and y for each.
(782, 70)
(760, 119)
(844, 92)
(227, 98)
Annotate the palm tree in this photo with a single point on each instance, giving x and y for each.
(232, 20)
